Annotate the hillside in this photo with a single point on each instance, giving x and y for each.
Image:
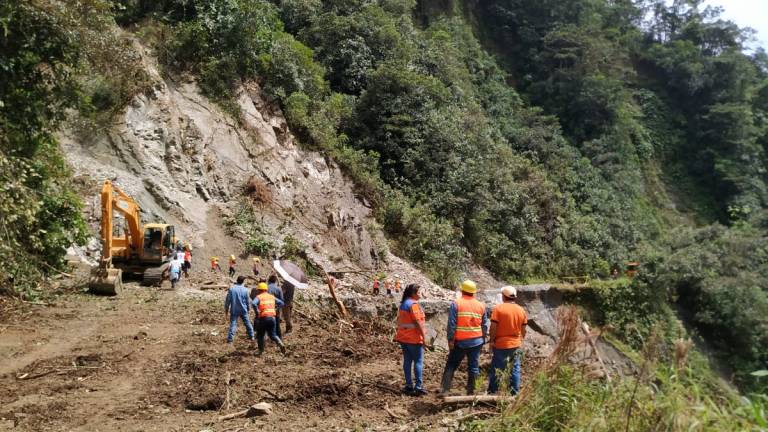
(500, 140)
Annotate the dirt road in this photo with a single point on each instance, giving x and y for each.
(156, 360)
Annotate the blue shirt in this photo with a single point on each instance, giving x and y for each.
(255, 302)
(466, 343)
(237, 301)
(406, 305)
(275, 291)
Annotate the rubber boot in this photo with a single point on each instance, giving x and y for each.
(445, 385)
(471, 380)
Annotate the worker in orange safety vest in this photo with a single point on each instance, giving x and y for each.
(265, 305)
(467, 330)
(412, 335)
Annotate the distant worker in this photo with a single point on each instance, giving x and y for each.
(236, 307)
(508, 321)
(266, 306)
(187, 260)
(412, 336)
(388, 286)
(467, 327)
(398, 284)
(232, 264)
(179, 255)
(376, 286)
(175, 268)
(215, 264)
(256, 265)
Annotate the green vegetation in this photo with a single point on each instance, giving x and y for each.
(539, 139)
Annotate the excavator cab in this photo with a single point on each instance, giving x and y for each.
(158, 242)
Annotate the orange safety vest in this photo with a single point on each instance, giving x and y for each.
(407, 329)
(266, 305)
(469, 319)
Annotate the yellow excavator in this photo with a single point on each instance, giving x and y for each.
(144, 251)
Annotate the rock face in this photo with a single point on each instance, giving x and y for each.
(186, 162)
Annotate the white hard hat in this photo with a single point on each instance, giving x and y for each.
(509, 291)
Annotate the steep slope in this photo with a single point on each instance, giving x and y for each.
(187, 162)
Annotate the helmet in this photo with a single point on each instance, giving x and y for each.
(468, 287)
(509, 291)
(262, 286)
(231, 257)
(256, 259)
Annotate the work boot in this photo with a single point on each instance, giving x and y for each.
(445, 384)
(471, 379)
(420, 392)
(282, 348)
(408, 390)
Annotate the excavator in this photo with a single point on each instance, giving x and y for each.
(143, 251)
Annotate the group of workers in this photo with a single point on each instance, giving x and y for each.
(389, 284)
(269, 303)
(181, 263)
(469, 327)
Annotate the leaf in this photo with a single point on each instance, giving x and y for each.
(760, 373)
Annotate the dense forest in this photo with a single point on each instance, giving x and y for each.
(539, 139)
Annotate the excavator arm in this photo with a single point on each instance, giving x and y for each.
(114, 199)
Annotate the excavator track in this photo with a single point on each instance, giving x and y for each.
(153, 276)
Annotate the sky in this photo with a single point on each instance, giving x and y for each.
(747, 13)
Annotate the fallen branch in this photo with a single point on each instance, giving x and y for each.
(587, 335)
(475, 414)
(212, 287)
(332, 287)
(274, 396)
(259, 409)
(475, 399)
(391, 413)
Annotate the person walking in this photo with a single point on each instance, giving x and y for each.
(467, 328)
(274, 289)
(232, 264)
(288, 291)
(398, 284)
(508, 321)
(236, 307)
(266, 305)
(388, 286)
(412, 336)
(376, 286)
(187, 261)
(215, 264)
(175, 271)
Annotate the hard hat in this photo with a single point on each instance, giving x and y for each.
(468, 287)
(256, 259)
(231, 257)
(262, 286)
(509, 291)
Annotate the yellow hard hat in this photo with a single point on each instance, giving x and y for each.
(468, 287)
(256, 259)
(231, 257)
(262, 286)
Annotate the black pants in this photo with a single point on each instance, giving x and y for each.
(266, 326)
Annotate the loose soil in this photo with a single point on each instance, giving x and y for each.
(156, 360)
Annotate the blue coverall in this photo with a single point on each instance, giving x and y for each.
(237, 304)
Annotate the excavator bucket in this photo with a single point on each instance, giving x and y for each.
(107, 281)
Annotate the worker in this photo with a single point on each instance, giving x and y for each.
(288, 291)
(232, 263)
(179, 253)
(376, 286)
(412, 336)
(175, 271)
(266, 305)
(467, 328)
(187, 260)
(256, 265)
(215, 264)
(508, 321)
(236, 307)
(388, 286)
(274, 289)
(398, 284)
